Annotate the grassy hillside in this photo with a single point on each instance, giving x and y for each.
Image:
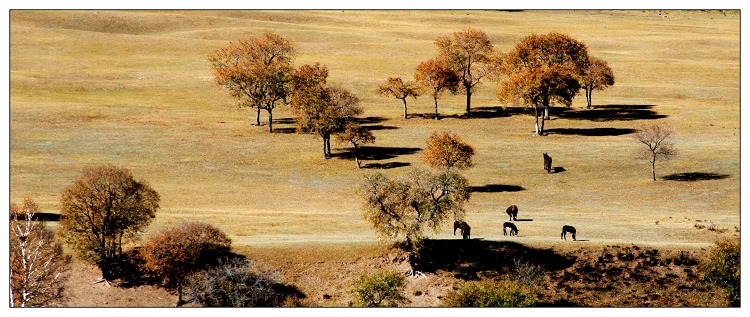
(134, 89)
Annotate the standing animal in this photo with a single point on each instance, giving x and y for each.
(511, 228)
(465, 229)
(547, 162)
(568, 229)
(512, 212)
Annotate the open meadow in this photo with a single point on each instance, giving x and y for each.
(135, 89)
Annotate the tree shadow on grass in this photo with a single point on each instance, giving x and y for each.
(480, 113)
(694, 176)
(285, 121)
(495, 188)
(468, 258)
(376, 153)
(41, 216)
(591, 131)
(608, 113)
(388, 165)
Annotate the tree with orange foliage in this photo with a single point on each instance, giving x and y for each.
(436, 77)
(468, 53)
(356, 135)
(597, 75)
(175, 253)
(542, 69)
(102, 210)
(396, 87)
(446, 150)
(256, 71)
(321, 109)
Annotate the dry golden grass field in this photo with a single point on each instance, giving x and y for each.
(134, 89)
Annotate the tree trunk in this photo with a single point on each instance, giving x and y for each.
(328, 146)
(356, 157)
(468, 101)
(325, 154)
(406, 116)
(257, 116)
(437, 116)
(270, 120)
(536, 123)
(653, 169)
(179, 294)
(588, 98)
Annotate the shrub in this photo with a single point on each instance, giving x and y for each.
(527, 274)
(238, 283)
(382, 289)
(490, 294)
(722, 268)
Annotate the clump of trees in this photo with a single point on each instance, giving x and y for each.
(435, 77)
(404, 207)
(396, 87)
(722, 268)
(174, 254)
(319, 108)
(657, 145)
(596, 75)
(101, 211)
(490, 294)
(541, 70)
(381, 289)
(38, 265)
(256, 72)
(446, 150)
(469, 54)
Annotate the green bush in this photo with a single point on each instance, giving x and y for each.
(490, 294)
(722, 268)
(382, 289)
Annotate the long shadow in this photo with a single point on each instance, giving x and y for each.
(467, 258)
(388, 165)
(495, 188)
(285, 130)
(378, 127)
(480, 113)
(370, 120)
(694, 176)
(41, 216)
(557, 169)
(609, 113)
(591, 131)
(376, 153)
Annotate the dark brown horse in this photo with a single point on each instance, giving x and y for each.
(512, 212)
(465, 229)
(568, 229)
(547, 162)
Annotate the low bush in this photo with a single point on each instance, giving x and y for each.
(490, 294)
(722, 268)
(382, 289)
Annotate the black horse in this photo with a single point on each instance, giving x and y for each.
(547, 162)
(509, 226)
(465, 229)
(512, 212)
(568, 229)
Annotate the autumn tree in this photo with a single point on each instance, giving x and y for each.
(396, 87)
(103, 209)
(657, 144)
(541, 70)
(256, 72)
(356, 135)
(596, 75)
(319, 108)
(404, 207)
(38, 266)
(721, 268)
(175, 253)
(466, 53)
(446, 150)
(436, 77)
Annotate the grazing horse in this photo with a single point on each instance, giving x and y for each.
(465, 229)
(568, 229)
(547, 162)
(510, 227)
(512, 212)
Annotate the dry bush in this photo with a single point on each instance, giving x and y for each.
(490, 294)
(382, 289)
(722, 268)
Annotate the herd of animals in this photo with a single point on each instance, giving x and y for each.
(510, 228)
